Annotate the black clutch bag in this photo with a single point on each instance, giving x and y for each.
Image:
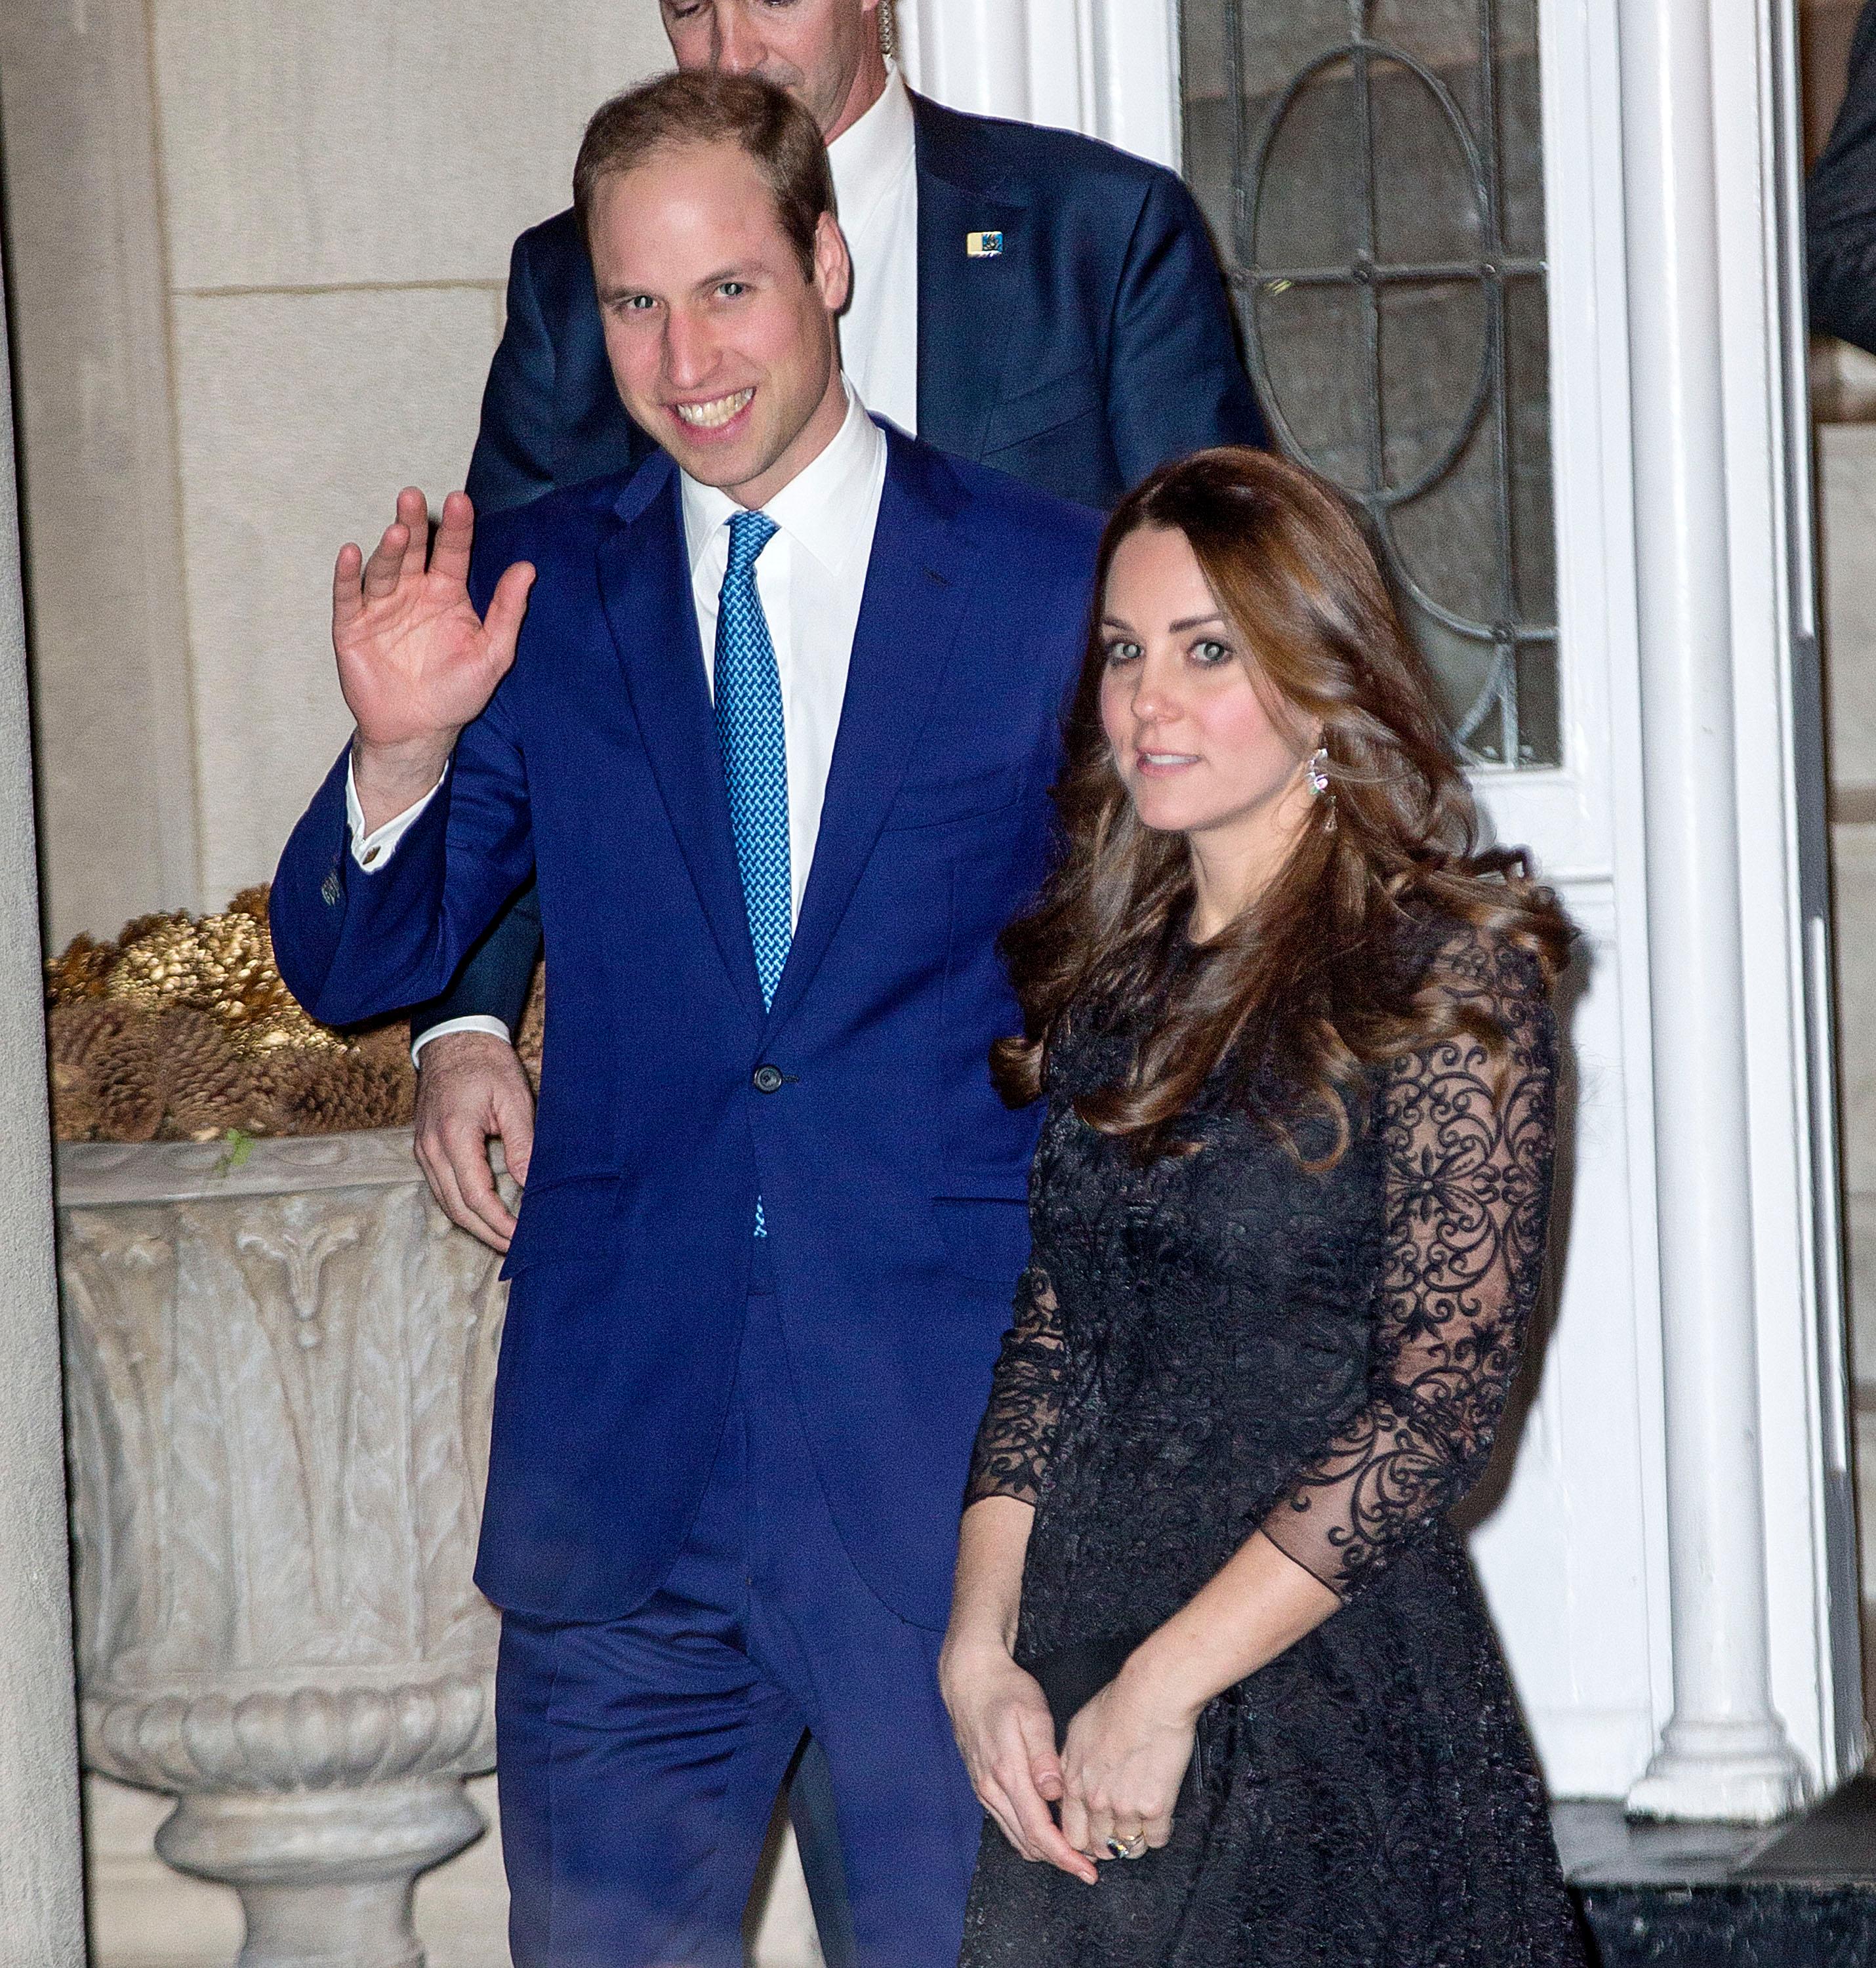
(1070, 1678)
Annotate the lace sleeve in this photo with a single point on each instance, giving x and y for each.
(1468, 1159)
(1018, 1428)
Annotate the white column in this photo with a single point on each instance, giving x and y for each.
(1108, 68)
(973, 54)
(41, 1906)
(1724, 1752)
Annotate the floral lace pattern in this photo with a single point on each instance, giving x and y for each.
(1226, 1342)
(1466, 1179)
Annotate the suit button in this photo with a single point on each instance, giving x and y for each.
(766, 1079)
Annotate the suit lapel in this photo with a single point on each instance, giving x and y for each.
(915, 587)
(965, 304)
(644, 584)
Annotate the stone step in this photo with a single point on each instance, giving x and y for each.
(1801, 1895)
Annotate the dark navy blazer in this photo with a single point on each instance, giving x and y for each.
(892, 1180)
(1095, 346)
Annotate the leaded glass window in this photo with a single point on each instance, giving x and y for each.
(1373, 172)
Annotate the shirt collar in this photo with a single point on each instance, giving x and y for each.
(825, 506)
(867, 158)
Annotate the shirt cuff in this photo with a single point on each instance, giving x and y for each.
(475, 1022)
(372, 850)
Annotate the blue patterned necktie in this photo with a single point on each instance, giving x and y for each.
(755, 756)
(749, 732)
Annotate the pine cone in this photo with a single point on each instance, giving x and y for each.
(140, 927)
(130, 1105)
(207, 1086)
(79, 971)
(79, 1035)
(338, 1093)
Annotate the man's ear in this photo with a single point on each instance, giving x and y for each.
(834, 265)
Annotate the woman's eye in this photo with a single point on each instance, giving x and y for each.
(1209, 652)
(1122, 652)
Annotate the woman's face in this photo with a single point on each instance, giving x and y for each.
(1193, 739)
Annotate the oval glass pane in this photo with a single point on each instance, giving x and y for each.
(1373, 173)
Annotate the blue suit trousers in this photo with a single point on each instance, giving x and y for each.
(641, 1758)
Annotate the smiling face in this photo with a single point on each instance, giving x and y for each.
(1197, 745)
(824, 53)
(723, 348)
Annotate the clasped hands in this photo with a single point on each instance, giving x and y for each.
(1117, 1774)
(415, 662)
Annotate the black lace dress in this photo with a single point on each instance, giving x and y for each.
(1215, 1345)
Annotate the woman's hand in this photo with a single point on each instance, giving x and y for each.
(1122, 1763)
(1002, 1724)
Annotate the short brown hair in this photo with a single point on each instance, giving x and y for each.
(769, 126)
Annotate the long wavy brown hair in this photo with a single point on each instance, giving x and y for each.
(1316, 978)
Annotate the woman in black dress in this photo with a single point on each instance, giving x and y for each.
(1288, 1213)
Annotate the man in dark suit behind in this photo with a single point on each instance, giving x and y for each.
(1028, 298)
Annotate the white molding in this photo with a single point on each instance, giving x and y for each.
(1108, 68)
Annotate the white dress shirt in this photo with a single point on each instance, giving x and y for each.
(876, 185)
(811, 577)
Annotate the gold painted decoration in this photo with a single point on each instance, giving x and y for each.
(182, 1030)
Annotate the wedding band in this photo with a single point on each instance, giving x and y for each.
(1127, 1848)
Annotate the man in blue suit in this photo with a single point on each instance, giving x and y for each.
(1027, 297)
(775, 1212)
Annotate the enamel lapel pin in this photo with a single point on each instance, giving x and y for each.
(983, 245)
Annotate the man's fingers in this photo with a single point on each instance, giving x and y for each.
(447, 1190)
(518, 1146)
(507, 606)
(347, 602)
(455, 534)
(514, 1122)
(465, 1148)
(480, 1193)
(413, 515)
(387, 561)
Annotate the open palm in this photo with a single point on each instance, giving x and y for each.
(415, 662)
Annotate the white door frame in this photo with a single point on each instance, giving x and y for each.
(1696, 1379)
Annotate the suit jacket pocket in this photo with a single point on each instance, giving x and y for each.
(1045, 407)
(572, 1216)
(935, 802)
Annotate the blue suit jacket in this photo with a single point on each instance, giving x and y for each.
(892, 1180)
(1095, 346)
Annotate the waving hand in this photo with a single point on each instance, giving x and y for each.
(415, 662)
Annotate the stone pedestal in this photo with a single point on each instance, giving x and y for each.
(278, 1375)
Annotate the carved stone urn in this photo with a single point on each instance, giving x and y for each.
(279, 1368)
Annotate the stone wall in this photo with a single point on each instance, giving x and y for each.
(258, 254)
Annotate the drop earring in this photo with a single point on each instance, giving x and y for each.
(1320, 787)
